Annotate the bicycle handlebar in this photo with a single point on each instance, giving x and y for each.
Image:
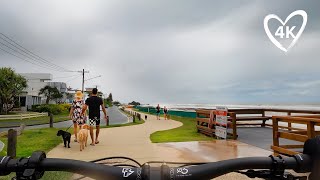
(38, 163)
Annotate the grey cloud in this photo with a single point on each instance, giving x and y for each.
(168, 51)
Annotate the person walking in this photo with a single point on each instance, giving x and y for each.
(94, 102)
(158, 112)
(165, 113)
(76, 113)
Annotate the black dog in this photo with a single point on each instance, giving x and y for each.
(66, 136)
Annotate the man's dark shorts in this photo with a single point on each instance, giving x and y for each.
(94, 122)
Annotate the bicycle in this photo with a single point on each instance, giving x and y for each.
(272, 167)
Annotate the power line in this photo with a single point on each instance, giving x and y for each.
(36, 78)
(23, 58)
(33, 56)
(74, 78)
(65, 77)
(93, 78)
(30, 56)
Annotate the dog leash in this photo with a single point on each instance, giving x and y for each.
(69, 127)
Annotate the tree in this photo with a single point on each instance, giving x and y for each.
(110, 97)
(50, 93)
(134, 103)
(12, 85)
(57, 96)
(116, 103)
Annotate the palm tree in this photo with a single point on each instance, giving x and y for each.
(50, 93)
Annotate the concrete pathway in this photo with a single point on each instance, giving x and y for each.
(134, 141)
(130, 141)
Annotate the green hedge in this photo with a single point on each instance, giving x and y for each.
(52, 108)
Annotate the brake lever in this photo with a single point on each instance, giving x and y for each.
(268, 175)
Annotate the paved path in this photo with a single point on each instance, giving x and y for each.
(115, 117)
(260, 137)
(134, 141)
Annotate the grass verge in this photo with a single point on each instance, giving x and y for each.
(45, 139)
(184, 133)
(37, 139)
(33, 121)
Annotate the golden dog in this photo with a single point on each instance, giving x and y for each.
(83, 136)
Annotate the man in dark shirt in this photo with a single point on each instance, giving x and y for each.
(94, 102)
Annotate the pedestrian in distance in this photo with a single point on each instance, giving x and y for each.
(158, 112)
(76, 113)
(94, 103)
(165, 113)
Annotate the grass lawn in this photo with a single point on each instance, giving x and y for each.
(37, 139)
(44, 139)
(33, 121)
(186, 132)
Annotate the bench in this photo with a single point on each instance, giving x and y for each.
(206, 127)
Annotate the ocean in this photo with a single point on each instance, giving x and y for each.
(212, 106)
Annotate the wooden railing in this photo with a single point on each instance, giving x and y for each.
(206, 127)
(290, 112)
(297, 134)
(22, 116)
(250, 114)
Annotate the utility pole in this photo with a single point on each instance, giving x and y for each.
(82, 80)
(83, 71)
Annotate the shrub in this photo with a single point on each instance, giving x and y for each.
(35, 108)
(53, 108)
(65, 107)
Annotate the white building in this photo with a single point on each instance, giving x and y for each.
(30, 95)
(36, 81)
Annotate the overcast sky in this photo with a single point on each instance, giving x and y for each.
(181, 51)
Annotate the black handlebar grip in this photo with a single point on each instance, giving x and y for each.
(312, 148)
(304, 163)
(3, 165)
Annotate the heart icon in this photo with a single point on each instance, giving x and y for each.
(295, 39)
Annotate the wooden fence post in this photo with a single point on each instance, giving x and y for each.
(289, 123)
(12, 143)
(51, 120)
(234, 126)
(275, 130)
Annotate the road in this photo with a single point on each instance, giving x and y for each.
(115, 117)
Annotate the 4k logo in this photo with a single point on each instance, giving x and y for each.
(285, 31)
